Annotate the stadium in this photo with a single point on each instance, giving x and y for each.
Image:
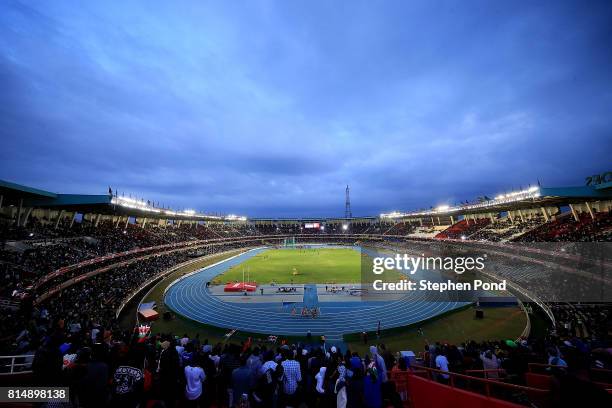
(113, 268)
(305, 204)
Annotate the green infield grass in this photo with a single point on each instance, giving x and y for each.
(455, 327)
(302, 265)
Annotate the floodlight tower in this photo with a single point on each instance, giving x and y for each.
(347, 204)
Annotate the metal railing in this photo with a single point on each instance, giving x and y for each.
(527, 329)
(16, 364)
(491, 388)
(599, 376)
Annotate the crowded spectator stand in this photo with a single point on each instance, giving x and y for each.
(65, 277)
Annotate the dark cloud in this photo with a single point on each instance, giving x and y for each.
(271, 108)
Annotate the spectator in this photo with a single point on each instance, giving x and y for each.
(242, 382)
(292, 376)
(320, 387)
(340, 387)
(128, 381)
(254, 362)
(194, 379)
(169, 371)
(375, 372)
(490, 362)
(93, 385)
(442, 364)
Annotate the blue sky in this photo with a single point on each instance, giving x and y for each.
(269, 108)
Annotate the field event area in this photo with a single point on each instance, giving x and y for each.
(303, 265)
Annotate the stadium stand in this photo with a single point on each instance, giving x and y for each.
(565, 228)
(428, 232)
(400, 229)
(504, 229)
(463, 229)
(67, 265)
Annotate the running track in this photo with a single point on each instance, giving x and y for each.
(190, 298)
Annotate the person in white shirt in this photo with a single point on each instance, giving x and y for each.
(442, 364)
(184, 340)
(320, 378)
(194, 377)
(269, 364)
(490, 362)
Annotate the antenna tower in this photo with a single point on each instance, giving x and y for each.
(347, 204)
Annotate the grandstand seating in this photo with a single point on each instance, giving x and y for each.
(582, 320)
(80, 274)
(505, 229)
(464, 228)
(426, 232)
(400, 229)
(566, 228)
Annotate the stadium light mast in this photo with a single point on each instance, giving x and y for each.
(347, 204)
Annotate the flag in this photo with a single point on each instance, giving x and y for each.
(110, 191)
(144, 332)
(247, 345)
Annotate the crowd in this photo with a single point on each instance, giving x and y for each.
(505, 229)
(23, 262)
(106, 367)
(566, 229)
(77, 341)
(43, 248)
(583, 320)
(400, 229)
(95, 299)
(463, 229)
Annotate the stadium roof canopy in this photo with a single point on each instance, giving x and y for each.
(18, 195)
(529, 198)
(16, 191)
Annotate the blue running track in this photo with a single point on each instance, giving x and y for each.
(190, 298)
